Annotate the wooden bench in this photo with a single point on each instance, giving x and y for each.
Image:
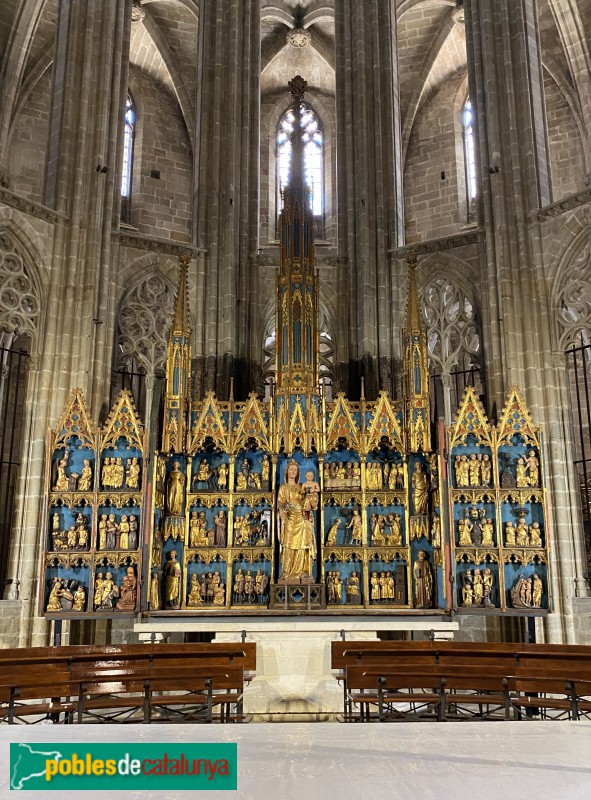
(477, 681)
(121, 683)
(431, 692)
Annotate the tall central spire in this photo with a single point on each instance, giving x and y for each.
(297, 87)
(297, 283)
(297, 399)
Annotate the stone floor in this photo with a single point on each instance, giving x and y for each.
(414, 761)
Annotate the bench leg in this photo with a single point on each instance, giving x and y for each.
(13, 693)
(147, 704)
(209, 701)
(441, 713)
(80, 713)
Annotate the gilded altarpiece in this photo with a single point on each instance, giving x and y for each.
(497, 512)
(295, 503)
(94, 512)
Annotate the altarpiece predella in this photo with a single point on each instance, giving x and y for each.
(295, 503)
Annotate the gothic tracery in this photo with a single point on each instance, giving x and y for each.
(144, 319)
(19, 301)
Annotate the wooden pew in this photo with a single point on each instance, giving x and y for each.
(430, 692)
(553, 681)
(75, 681)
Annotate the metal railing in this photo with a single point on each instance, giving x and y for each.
(578, 361)
(14, 368)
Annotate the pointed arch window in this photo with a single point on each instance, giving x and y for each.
(128, 139)
(313, 139)
(469, 157)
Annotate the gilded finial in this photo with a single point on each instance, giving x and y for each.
(181, 323)
(297, 87)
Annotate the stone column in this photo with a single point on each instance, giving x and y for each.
(227, 190)
(369, 183)
(507, 92)
(89, 89)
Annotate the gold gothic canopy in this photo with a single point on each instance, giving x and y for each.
(295, 503)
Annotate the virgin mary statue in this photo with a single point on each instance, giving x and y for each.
(296, 528)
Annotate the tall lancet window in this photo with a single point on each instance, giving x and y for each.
(127, 159)
(313, 139)
(469, 157)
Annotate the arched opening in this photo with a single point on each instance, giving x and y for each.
(127, 171)
(469, 140)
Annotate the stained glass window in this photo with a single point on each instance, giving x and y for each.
(469, 155)
(313, 140)
(127, 158)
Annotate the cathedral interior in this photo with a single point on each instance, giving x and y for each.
(295, 318)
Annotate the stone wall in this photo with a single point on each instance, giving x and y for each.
(28, 150)
(161, 206)
(567, 168)
(434, 182)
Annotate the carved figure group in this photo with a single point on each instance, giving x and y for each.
(202, 536)
(381, 586)
(386, 530)
(77, 537)
(247, 479)
(334, 587)
(249, 588)
(109, 596)
(73, 482)
(208, 478)
(477, 588)
(374, 476)
(106, 592)
(527, 470)
(209, 590)
(474, 470)
(118, 535)
(118, 475)
(342, 475)
(66, 595)
(522, 534)
(527, 592)
(250, 529)
(475, 529)
(128, 591)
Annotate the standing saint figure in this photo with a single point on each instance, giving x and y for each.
(423, 581)
(220, 535)
(172, 581)
(175, 490)
(296, 527)
(420, 489)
